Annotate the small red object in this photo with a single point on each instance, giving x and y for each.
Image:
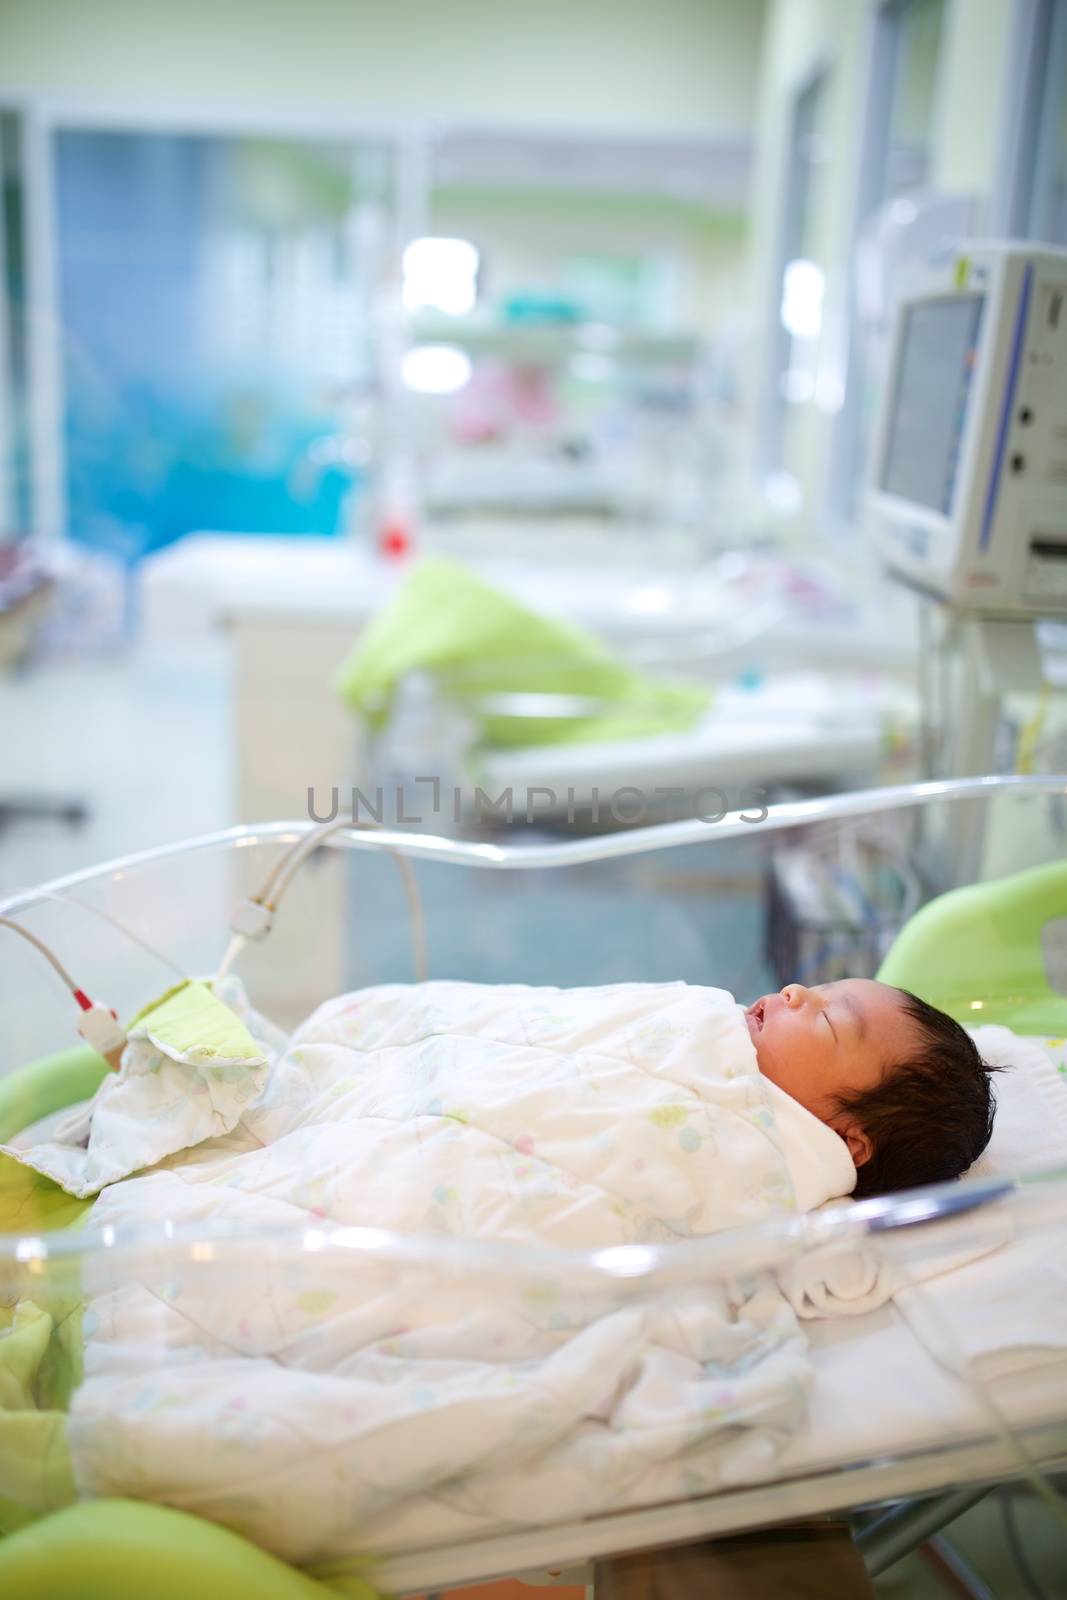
(394, 541)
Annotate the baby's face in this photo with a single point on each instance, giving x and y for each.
(833, 1039)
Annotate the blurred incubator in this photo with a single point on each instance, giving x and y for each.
(672, 698)
(791, 672)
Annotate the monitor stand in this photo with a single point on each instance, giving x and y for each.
(1000, 656)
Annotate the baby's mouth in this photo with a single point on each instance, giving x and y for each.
(755, 1017)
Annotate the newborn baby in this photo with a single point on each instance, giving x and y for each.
(902, 1083)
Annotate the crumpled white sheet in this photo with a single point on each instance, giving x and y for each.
(326, 1405)
(160, 1101)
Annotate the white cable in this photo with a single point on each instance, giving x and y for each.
(283, 875)
(254, 918)
(39, 945)
(99, 1026)
(120, 927)
(233, 950)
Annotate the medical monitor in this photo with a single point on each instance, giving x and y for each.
(969, 491)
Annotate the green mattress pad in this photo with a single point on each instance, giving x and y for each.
(50, 1543)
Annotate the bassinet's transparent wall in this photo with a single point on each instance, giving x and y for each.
(742, 907)
(425, 1414)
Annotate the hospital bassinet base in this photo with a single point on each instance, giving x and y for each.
(895, 1405)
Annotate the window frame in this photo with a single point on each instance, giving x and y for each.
(1051, 85)
(843, 493)
(818, 75)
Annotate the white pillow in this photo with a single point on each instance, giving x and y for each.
(1030, 1126)
(1000, 1315)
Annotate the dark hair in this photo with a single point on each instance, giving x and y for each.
(931, 1115)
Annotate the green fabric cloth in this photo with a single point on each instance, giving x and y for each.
(479, 642)
(192, 1024)
(39, 1368)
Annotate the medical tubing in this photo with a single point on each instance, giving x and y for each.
(1030, 737)
(415, 917)
(282, 874)
(53, 960)
(1017, 1548)
(925, 686)
(283, 871)
(99, 1025)
(233, 950)
(120, 927)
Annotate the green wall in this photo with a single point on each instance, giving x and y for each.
(679, 66)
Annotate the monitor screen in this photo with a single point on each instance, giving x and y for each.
(934, 369)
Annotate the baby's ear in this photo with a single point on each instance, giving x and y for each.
(859, 1146)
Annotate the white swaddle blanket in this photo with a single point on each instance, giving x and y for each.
(327, 1409)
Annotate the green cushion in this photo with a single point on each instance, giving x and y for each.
(977, 952)
(129, 1549)
(48, 1085)
(30, 1203)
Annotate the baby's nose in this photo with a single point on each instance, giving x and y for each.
(797, 994)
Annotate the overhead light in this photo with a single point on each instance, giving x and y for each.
(441, 275)
(829, 393)
(803, 286)
(649, 600)
(436, 368)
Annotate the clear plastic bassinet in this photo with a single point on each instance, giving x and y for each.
(958, 890)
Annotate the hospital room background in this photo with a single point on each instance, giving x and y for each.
(474, 417)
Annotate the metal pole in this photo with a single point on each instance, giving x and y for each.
(901, 1530)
